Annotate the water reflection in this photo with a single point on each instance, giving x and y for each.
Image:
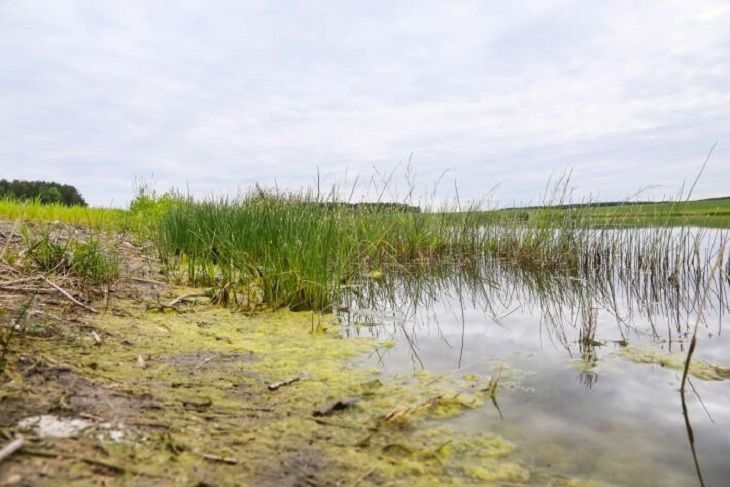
(657, 303)
(690, 435)
(567, 330)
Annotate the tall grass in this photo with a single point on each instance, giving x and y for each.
(301, 250)
(298, 248)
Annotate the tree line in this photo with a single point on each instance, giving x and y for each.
(43, 191)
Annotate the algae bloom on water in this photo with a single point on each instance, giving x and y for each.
(214, 420)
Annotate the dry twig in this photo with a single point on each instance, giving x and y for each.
(216, 458)
(277, 385)
(11, 448)
(71, 298)
(147, 281)
(186, 296)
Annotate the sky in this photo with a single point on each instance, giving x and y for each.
(487, 100)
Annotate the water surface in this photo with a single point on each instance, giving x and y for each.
(576, 404)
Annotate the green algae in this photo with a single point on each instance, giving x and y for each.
(202, 401)
(204, 413)
(675, 361)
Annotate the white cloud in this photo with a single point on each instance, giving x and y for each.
(221, 95)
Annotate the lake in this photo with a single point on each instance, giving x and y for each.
(590, 362)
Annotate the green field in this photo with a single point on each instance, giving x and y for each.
(713, 213)
(88, 217)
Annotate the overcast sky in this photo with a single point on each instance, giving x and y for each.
(214, 95)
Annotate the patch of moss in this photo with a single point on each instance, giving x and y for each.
(675, 361)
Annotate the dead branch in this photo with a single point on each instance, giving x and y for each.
(11, 448)
(278, 385)
(4, 263)
(184, 297)
(216, 458)
(27, 289)
(334, 406)
(337, 424)
(36, 312)
(148, 281)
(71, 298)
(94, 462)
(19, 281)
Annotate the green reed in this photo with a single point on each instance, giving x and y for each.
(300, 249)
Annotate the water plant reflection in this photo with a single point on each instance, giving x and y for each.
(655, 301)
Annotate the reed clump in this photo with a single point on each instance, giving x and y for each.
(297, 248)
(300, 250)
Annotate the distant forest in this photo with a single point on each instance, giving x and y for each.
(43, 191)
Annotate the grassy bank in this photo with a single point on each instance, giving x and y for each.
(118, 388)
(207, 372)
(714, 213)
(113, 219)
(277, 249)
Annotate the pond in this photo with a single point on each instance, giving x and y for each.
(591, 360)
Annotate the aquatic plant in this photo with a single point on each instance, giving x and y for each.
(300, 249)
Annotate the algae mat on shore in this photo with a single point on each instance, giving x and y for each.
(184, 399)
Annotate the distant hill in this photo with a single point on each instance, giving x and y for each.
(45, 192)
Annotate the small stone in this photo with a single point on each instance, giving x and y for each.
(48, 426)
(13, 479)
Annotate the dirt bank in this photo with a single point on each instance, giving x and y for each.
(137, 392)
